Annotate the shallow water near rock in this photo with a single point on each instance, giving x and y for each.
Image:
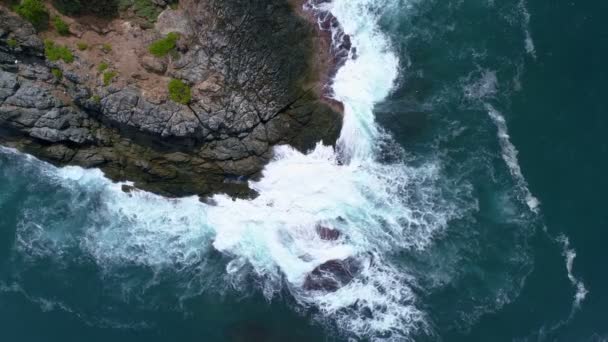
(463, 203)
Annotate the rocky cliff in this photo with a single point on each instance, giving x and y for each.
(251, 67)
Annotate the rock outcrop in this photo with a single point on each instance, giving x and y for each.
(332, 275)
(251, 68)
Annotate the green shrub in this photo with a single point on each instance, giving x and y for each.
(68, 7)
(108, 76)
(179, 92)
(123, 5)
(57, 73)
(56, 52)
(162, 47)
(145, 9)
(82, 46)
(34, 12)
(96, 99)
(61, 26)
(103, 8)
(107, 48)
(103, 66)
(12, 43)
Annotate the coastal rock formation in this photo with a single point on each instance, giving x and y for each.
(332, 275)
(250, 65)
(328, 234)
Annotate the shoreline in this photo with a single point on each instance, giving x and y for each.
(132, 132)
(327, 55)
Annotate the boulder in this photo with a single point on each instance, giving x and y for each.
(332, 275)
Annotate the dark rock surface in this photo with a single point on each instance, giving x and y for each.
(328, 234)
(250, 66)
(332, 275)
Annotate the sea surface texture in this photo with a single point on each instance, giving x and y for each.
(468, 188)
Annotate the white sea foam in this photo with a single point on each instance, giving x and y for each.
(509, 154)
(48, 305)
(378, 208)
(482, 86)
(580, 294)
(570, 255)
(529, 42)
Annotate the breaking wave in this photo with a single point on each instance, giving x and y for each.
(272, 242)
(329, 227)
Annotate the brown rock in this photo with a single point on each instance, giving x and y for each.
(153, 64)
(328, 234)
(332, 275)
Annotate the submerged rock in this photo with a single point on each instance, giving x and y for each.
(332, 275)
(328, 234)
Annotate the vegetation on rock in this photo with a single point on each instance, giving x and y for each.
(68, 7)
(103, 66)
(146, 9)
(103, 8)
(179, 92)
(164, 46)
(34, 12)
(82, 46)
(55, 52)
(245, 37)
(61, 26)
(107, 48)
(108, 76)
(57, 73)
(12, 43)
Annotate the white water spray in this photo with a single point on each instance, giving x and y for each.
(377, 208)
(581, 291)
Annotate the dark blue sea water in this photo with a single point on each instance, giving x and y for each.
(476, 200)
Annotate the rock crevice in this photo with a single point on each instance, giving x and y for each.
(254, 85)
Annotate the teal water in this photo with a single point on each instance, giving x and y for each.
(75, 265)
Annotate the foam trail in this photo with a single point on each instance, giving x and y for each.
(569, 255)
(482, 89)
(546, 332)
(529, 42)
(48, 305)
(509, 155)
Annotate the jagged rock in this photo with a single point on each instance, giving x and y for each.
(253, 86)
(160, 2)
(173, 21)
(153, 64)
(328, 234)
(332, 275)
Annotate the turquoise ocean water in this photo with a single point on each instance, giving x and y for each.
(476, 200)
